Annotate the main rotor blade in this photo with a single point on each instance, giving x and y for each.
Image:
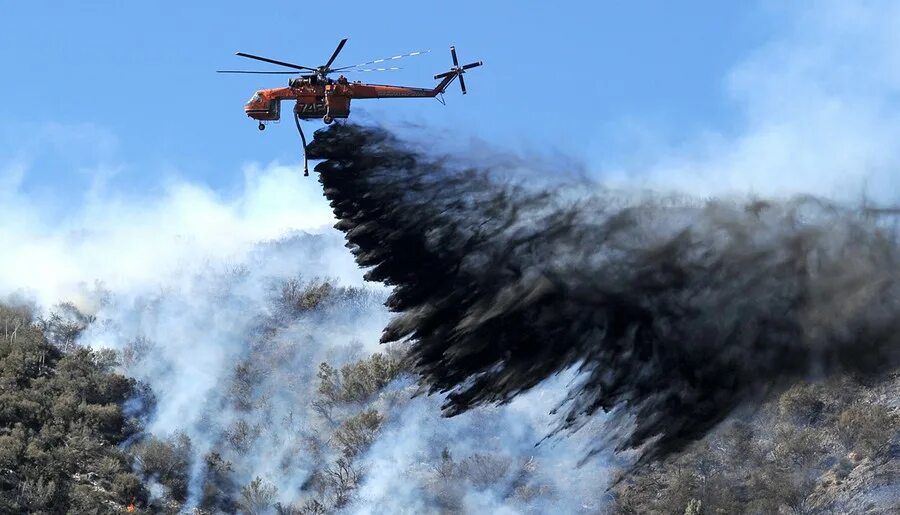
(273, 61)
(391, 69)
(245, 71)
(376, 61)
(335, 54)
(462, 84)
(453, 53)
(472, 65)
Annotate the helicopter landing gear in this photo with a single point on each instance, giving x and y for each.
(327, 119)
(261, 126)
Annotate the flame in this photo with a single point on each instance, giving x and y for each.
(130, 507)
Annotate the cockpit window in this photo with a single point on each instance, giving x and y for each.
(255, 98)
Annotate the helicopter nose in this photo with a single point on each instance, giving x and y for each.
(251, 110)
(263, 109)
(258, 114)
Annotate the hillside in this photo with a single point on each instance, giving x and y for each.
(831, 447)
(817, 448)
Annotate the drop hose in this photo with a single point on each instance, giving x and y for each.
(303, 140)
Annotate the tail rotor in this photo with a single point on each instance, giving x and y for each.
(457, 70)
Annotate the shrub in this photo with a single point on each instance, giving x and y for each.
(166, 461)
(357, 433)
(356, 382)
(257, 497)
(485, 470)
(802, 404)
(866, 428)
(694, 507)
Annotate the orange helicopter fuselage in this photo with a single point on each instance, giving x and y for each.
(327, 98)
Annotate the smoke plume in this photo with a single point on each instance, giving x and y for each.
(233, 368)
(677, 314)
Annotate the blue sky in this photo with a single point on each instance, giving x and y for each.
(133, 82)
(122, 153)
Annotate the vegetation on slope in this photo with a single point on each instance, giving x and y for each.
(67, 443)
(61, 423)
(816, 448)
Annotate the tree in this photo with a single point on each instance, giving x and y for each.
(257, 496)
(61, 423)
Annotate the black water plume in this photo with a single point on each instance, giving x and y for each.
(675, 314)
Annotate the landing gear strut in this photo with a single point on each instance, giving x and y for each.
(261, 126)
(303, 139)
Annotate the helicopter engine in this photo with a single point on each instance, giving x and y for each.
(305, 80)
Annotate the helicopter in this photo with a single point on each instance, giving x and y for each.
(318, 96)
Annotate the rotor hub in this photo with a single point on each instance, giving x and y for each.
(457, 70)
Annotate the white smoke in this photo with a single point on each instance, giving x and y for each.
(129, 243)
(818, 113)
(198, 331)
(497, 464)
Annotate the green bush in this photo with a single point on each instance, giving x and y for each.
(166, 461)
(60, 422)
(357, 433)
(357, 382)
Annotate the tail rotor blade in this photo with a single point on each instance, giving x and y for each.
(442, 75)
(472, 65)
(336, 52)
(462, 84)
(453, 53)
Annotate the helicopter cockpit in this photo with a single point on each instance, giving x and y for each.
(254, 99)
